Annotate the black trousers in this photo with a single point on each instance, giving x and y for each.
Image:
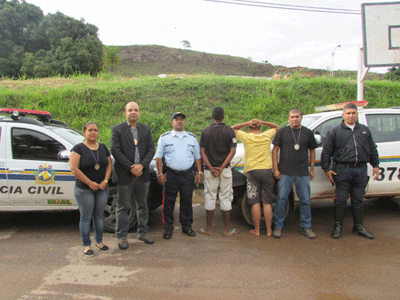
(182, 182)
(351, 182)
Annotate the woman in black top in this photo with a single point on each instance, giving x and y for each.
(91, 164)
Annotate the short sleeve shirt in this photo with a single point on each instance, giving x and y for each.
(257, 149)
(217, 140)
(179, 152)
(88, 160)
(294, 162)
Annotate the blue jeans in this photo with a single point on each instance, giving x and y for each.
(135, 191)
(91, 207)
(285, 184)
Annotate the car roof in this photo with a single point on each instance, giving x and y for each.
(364, 110)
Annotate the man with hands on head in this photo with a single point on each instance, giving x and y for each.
(351, 147)
(133, 149)
(258, 169)
(180, 151)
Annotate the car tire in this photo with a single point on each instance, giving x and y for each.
(246, 211)
(110, 211)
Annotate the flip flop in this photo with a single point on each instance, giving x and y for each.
(233, 231)
(203, 231)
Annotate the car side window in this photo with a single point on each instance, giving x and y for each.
(33, 145)
(384, 128)
(323, 128)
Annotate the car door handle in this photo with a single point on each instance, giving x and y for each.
(16, 170)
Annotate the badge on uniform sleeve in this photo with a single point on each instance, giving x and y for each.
(234, 140)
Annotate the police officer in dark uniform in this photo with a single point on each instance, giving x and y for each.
(351, 147)
(180, 150)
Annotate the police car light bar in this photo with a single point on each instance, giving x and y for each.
(27, 112)
(340, 105)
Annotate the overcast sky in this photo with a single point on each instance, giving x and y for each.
(280, 36)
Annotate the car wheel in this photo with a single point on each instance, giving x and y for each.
(246, 211)
(110, 211)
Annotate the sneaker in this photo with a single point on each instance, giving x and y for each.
(308, 233)
(277, 233)
(103, 248)
(123, 244)
(147, 239)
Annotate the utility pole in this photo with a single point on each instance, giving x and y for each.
(333, 53)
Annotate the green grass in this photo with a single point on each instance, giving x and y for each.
(80, 98)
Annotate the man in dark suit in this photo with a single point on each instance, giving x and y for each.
(133, 149)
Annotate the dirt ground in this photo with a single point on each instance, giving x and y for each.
(41, 258)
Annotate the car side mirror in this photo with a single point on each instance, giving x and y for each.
(63, 155)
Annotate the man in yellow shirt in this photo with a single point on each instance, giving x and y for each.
(258, 169)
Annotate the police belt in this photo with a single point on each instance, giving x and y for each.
(167, 169)
(350, 165)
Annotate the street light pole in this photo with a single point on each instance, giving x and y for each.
(333, 53)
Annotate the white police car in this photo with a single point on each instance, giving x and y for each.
(384, 124)
(34, 166)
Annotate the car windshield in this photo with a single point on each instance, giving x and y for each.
(307, 121)
(68, 134)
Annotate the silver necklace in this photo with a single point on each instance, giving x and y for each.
(296, 143)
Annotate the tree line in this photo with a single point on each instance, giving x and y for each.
(34, 45)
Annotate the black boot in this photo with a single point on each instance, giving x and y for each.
(337, 230)
(338, 224)
(358, 223)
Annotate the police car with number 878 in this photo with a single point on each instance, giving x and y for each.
(384, 124)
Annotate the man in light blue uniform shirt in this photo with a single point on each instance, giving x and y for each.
(180, 150)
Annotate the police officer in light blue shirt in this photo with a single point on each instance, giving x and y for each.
(179, 150)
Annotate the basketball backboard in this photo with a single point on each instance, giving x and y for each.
(381, 34)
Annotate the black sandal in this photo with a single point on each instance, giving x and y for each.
(104, 248)
(88, 252)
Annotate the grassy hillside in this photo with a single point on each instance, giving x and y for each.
(142, 60)
(153, 60)
(79, 99)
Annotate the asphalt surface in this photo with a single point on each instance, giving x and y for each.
(41, 258)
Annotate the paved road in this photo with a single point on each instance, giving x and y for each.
(41, 258)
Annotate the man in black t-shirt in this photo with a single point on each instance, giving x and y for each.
(217, 148)
(294, 143)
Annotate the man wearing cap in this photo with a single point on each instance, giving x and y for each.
(180, 150)
(133, 149)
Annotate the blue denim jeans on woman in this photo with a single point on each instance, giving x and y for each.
(91, 207)
(285, 184)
